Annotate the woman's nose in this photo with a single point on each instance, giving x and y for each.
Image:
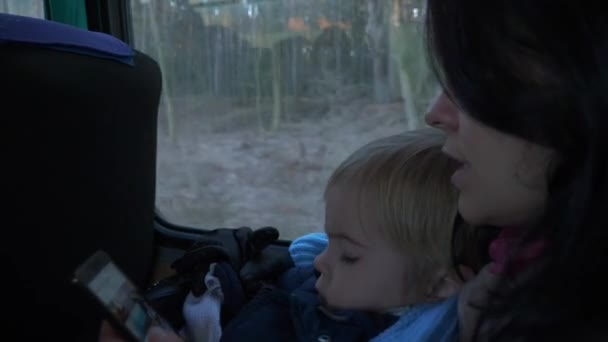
(443, 114)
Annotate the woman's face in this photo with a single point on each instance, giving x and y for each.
(503, 179)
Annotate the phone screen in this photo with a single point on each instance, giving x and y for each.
(120, 297)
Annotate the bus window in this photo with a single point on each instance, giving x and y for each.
(263, 99)
(29, 8)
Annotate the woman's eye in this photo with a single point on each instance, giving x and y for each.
(348, 259)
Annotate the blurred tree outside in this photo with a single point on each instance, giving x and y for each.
(280, 56)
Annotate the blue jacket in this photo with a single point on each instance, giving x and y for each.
(290, 311)
(434, 322)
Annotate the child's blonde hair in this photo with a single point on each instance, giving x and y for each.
(406, 181)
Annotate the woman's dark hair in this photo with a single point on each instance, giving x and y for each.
(470, 245)
(538, 69)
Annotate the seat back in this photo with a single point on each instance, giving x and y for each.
(80, 112)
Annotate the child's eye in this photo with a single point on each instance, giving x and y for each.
(348, 259)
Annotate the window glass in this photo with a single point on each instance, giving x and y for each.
(30, 8)
(263, 99)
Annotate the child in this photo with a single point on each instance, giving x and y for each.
(386, 271)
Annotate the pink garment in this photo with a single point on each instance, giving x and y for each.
(500, 252)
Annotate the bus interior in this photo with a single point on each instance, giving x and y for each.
(138, 126)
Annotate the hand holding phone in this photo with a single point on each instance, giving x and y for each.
(107, 333)
(126, 308)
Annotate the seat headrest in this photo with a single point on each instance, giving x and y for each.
(53, 35)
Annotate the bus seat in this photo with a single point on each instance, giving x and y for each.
(80, 118)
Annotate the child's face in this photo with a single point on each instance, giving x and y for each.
(360, 269)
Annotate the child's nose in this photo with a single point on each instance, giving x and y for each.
(319, 263)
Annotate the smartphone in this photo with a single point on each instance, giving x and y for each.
(125, 307)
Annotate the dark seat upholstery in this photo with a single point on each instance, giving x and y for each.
(80, 132)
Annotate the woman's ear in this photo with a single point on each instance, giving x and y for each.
(448, 283)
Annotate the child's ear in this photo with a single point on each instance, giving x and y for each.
(445, 284)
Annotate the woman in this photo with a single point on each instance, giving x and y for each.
(530, 81)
